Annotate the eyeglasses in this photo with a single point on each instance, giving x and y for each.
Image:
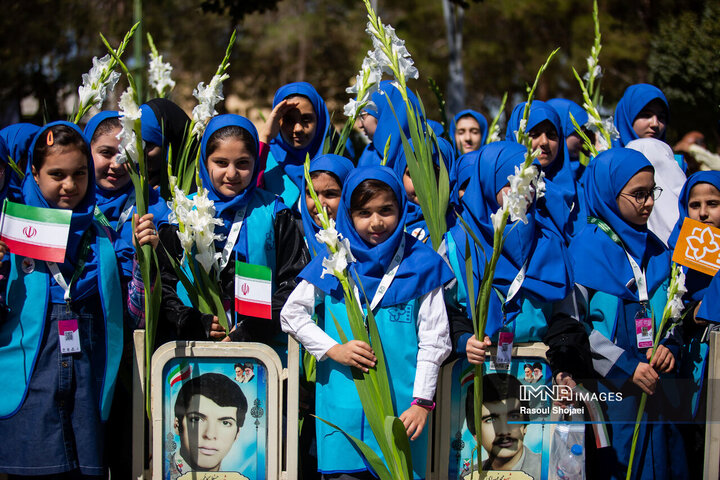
(641, 196)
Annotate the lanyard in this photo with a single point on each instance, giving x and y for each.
(638, 273)
(387, 278)
(232, 237)
(58, 276)
(127, 210)
(514, 286)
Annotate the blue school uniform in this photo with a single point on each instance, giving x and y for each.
(420, 271)
(54, 404)
(119, 206)
(693, 363)
(338, 166)
(632, 102)
(603, 267)
(559, 173)
(284, 168)
(537, 247)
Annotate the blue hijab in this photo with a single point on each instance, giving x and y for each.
(225, 207)
(466, 167)
(421, 269)
(478, 118)
(632, 102)
(111, 202)
(598, 262)
(288, 157)
(17, 137)
(370, 156)
(538, 243)
(564, 108)
(338, 166)
(82, 218)
(696, 282)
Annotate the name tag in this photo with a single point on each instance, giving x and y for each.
(504, 351)
(69, 336)
(644, 332)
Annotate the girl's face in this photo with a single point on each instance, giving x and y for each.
(298, 125)
(640, 186)
(467, 134)
(378, 218)
(109, 175)
(231, 166)
(574, 145)
(328, 191)
(652, 120)
(409, 187)
(545, 137)
(63, 177)
(704, 204)
(368, 124)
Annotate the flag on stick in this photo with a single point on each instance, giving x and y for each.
(35, 232)
(253, 290)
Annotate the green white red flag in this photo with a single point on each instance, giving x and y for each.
(253, 290)
(35, 232)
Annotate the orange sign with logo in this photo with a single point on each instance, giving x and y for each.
(698, 247)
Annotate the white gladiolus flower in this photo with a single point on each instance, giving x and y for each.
(208, 97)
(159, 74)
(329, 236)
(335, 264)
(93, 89)
(494, 135)
(366, 82)
(497, 218)
(707, 159)
(400, 54)
(129, 112)
(675, 304)
(206, 259)
(523, 186)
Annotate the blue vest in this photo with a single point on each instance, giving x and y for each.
(21, 334)
(277, 182)
(528, 325)
(337, 400)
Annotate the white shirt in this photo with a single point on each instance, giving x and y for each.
(433, 330)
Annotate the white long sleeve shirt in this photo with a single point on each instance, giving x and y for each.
(433, 332)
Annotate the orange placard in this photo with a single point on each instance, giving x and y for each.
(698, 247)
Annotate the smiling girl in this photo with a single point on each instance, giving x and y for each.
(58, 395)
(267, 235)
(410, 314)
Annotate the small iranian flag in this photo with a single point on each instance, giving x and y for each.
(39, 233)
(253, 290)
(467, 375)
(179, 373)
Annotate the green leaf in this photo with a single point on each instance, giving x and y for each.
(372, 458)
(397, 436)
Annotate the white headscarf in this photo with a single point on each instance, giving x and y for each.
(668, 176)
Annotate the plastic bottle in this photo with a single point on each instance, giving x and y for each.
(571, 467)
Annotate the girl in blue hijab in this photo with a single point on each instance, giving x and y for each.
(328, 174)
(114, 191)
(573, 143)
(700, 200)
(642, 112)
(410, 315)
(625, 268)
(17, 138)
(303, 130)
(545, 128)
(53, 397)
(536, 248)
(268, 236)
(468, 131)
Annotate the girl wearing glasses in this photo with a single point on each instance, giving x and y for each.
(624, 270)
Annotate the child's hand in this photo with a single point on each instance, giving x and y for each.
(476, 349)
(217, 331)
(414, 420)
(663, 361)
(353, 354)
(3, 249)
(272, 126)
(646, 378)
(145, 232)
(563, 378)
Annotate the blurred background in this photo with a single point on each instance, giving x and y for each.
(475, 50)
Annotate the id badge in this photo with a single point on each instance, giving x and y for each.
(504, 350)
(644, 331)
(69, 336)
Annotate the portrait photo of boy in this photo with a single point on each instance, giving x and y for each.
(209, 412)
(502, 440)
